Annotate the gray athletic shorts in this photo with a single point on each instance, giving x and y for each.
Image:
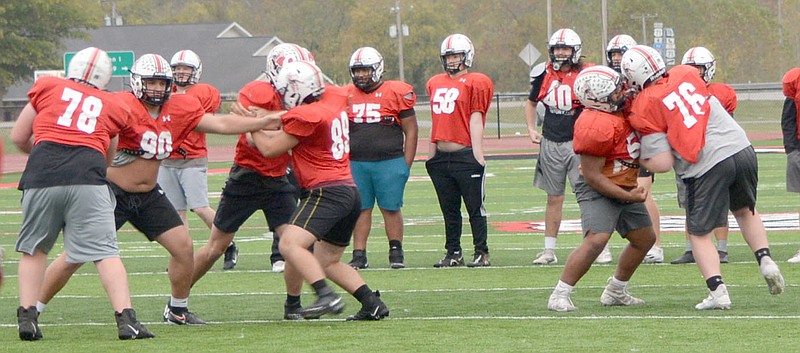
(186, 188)
(793, 171)
(556, 163)
(730, 185)
(604, 215)
(84, 212)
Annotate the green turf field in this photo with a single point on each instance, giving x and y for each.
(496, 309)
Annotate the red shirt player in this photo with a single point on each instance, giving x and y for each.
(316, 130)
(456, 164)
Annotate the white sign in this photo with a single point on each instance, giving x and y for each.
(529, 54)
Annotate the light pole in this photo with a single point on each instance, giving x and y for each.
(399, 24)
(644, 18)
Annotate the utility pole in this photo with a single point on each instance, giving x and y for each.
(644, 18)
(399, 24)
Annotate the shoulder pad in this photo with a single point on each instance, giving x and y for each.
(537, 70)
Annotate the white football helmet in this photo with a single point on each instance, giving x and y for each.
(282, 54)
(595, 85)
(370, 58)
(92, 66)
(457, 44)
(190, 59)
(700, 56)
(297, 81)
(619, 44)
(565, 38)
(151, 66)
(642, 64)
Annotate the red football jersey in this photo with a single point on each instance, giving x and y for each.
(557, 88)
(260, 94)
(74, 114)
(158, 137)
(726, 96)
(791, 89)
(195, 144)
(611, 136)
(389, 99)
(453, 100)
(675, 105)
(323, 152)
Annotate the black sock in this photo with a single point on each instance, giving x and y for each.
(363, 294)
(292, 300)
(395, 244)
(760, 253)
(713, 282)
(322, 288)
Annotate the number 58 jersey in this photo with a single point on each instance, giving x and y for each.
(156, 137)
(453, 100)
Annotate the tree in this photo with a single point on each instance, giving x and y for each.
(32, 31)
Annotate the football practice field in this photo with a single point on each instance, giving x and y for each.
(502, 308)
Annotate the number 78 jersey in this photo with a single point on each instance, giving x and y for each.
(453, 100)
(678, 106)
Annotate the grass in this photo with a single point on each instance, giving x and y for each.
(496, 309)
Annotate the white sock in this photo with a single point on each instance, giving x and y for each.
(550, 243)
(40, 306)
(178, 303)
(617, 283)
(563, 287)
(688, 245)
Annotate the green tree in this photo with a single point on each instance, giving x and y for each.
(32, 31)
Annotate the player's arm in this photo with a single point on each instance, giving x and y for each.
(592, 170)
(273, 143)
(22, 132)
(411, 133)
(111, 151)
(476, 136)
(232, 124)
(537, 77)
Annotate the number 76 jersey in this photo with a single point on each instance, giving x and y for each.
(677, 105)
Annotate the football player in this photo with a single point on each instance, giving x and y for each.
(705, 63)
(607, 190)
(161, 123)
(686, 128)
(790, 125)
(383, 144)
(456, 163)
(315, 129)
(258, 183)
(552, 85)
(70, 129)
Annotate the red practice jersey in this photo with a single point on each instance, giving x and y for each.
(195, 144)
(157, 137)
(791, 89)
(678, 106)
(453, 100)
(260, 94)
(74, 114)
(323, 152)
(375, 120)
(611, 136)
(726, 96)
